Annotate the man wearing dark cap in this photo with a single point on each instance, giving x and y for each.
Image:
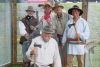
(76, 34)
(43, 51)
(27, 25)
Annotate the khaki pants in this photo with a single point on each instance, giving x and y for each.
(80, 59)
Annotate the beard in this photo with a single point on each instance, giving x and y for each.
(45, 40)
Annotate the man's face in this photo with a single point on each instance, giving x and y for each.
(30, 13)
(47, 9)
(58, 10)
(46, 36)
(75, 13)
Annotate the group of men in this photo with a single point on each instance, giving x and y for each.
(60, 33)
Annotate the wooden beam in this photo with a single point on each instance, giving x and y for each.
(7, 65)
(85, 14)
(14, 31)
(85, 8)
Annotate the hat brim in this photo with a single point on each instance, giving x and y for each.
(57, 7)
(30, 10)
(48, 32)
(47, 5)
(70, 11)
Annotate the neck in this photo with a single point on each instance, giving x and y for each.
(30, 15)
(59, 15)
(75, 18)
(47, 13)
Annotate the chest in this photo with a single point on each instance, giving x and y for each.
(46, 48)
(30, 22)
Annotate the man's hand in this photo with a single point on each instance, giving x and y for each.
(26, 36)
(78, 37)
(32, 27)
(34, 51)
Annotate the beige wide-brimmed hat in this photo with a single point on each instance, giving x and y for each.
(47, 4)
(57, 5)
(30, 8)
(75, 7)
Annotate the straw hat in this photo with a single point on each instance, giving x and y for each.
(57, 5)
(47, 4)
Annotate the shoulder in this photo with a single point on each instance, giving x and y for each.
(20, 23)
(70, 21)
(53, 41)
(64, 13)
(83, 21)
(23, 19)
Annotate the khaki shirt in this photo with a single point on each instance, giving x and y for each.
(59, 24)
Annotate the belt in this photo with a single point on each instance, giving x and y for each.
(50, 65)
(75, 41)
(72, 39)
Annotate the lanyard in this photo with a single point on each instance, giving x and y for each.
(78, 39)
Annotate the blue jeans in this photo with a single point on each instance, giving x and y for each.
(25, 47)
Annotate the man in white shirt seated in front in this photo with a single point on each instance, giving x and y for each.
(43, 51)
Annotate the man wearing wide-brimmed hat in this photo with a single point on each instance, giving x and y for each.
(76, 34)
(45, 20)
(44, 49)
(26, 27)
(57, 5)
(59, 21)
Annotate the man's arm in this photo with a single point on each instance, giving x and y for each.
(22, 28)
(30, 51)
(86, 33)
(64, 38)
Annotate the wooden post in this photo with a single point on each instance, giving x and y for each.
(14, 30)
(85, 14)
(85, 8)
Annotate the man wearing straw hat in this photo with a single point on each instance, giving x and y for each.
(76, 34)
(26, 26)
(45, 50)
(45, 20)
(59, 21)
